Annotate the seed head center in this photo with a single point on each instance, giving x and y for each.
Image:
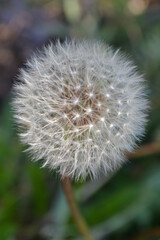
(83, 106)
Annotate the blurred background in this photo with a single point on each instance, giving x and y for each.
(123, 206)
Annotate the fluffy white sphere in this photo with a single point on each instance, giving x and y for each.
(80, 106)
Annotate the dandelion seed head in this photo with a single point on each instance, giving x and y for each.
(89, 110)
(75, 102)
(80, 106)
(99, 104)
(102, 119)
(91, 94)
(107, 95)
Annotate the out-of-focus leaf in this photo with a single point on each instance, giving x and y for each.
(72, 10)
(139, 210)
(7, 231)
(38, 188)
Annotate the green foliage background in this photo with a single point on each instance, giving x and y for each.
(123, 206)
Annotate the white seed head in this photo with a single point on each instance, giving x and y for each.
(89, 110)
(80, 106)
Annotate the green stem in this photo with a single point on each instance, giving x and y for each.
(81, 224)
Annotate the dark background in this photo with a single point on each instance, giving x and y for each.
(125, 206)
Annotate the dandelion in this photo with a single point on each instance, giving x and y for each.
(80, 106)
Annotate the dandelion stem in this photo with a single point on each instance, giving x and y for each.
(81, 224)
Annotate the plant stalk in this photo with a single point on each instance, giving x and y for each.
(80, 222)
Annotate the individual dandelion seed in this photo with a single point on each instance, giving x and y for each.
(80, 106)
